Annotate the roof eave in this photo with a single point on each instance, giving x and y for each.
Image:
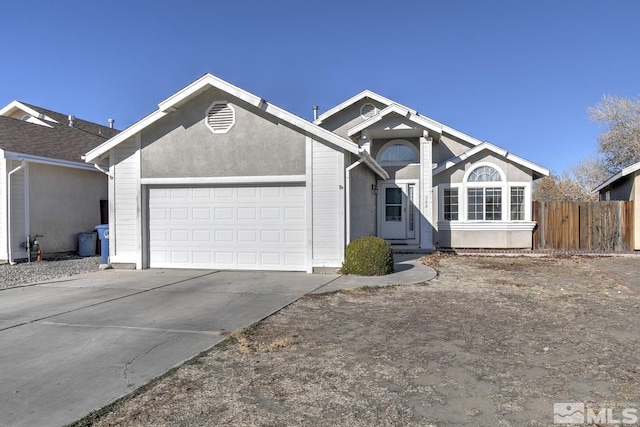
(538, 171)
(208, 80)
(624, 172)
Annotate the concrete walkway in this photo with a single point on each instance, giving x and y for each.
(73, 345)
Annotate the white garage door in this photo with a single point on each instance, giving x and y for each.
(259, 228)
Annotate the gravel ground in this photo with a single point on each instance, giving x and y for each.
(490, 342)
(50, 268)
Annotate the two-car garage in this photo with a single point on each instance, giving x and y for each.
(227, 227)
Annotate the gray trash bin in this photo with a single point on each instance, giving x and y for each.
(87, 244)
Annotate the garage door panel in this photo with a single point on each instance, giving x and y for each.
(228, 227)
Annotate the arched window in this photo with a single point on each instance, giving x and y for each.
(484, 194)
(484, 174)
(397, 151)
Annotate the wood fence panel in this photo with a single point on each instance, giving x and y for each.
(588, 226)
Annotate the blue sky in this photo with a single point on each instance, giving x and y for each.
(519, 74)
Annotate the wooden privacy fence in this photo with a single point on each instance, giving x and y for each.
(585, 226)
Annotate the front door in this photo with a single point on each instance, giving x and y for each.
(398, 217)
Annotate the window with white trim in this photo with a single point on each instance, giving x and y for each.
(517, 203)
(451, 204)
(221, 117)
(484, 198)
(398, 153)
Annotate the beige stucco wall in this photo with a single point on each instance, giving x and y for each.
(62, 203)
(181, 145)
(491, 239)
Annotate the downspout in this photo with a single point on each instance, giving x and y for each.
(348, 193)
(103, 170)
(9, 237)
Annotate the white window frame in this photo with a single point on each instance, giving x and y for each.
(398, 142)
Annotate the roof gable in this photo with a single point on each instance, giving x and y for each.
(354, 99)
(538, 170)
(179, 98)
(395, 109)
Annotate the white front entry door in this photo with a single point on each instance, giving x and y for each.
(397, 211)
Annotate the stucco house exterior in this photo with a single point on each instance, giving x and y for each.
(45, 187)
(218, 177)
(625, 185)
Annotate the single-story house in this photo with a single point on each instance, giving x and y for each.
(625, 185)
(45, 187)
(218, 177)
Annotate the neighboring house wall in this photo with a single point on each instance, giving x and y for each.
(623, 190)
(328, 205)
(181, 145)
(362, 203)
(636, 211)
(63, 202)
(3, 210)
(17, 210)
(124, 206)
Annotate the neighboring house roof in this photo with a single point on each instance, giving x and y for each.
(538, 170)
(623, 173)
(47, 134)
(207, 81)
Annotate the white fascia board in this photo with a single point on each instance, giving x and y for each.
(227, 180)
(624, 172)
(103, 148)
(364, 155)
(6, 110)
(202, 84)
(461, 135)
(364, 94)
(495, 149)
(402, 111)
(310, 128)
(9, 155)
(208, 80)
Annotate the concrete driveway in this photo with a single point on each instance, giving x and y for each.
(71, 346)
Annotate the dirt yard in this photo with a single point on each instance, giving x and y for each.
(490, 342)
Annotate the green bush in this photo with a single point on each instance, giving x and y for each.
(368, 256)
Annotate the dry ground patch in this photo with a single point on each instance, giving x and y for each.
(491, 341)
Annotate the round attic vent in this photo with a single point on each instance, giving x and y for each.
(26, 117)
(368, 110)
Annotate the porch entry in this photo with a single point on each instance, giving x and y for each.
(398, 219)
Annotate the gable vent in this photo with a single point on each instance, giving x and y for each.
(220, 117)
(368, 110)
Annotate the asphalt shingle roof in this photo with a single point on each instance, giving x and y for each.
(59, 142)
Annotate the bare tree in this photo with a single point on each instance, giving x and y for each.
(619, 139)
(574, 184)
